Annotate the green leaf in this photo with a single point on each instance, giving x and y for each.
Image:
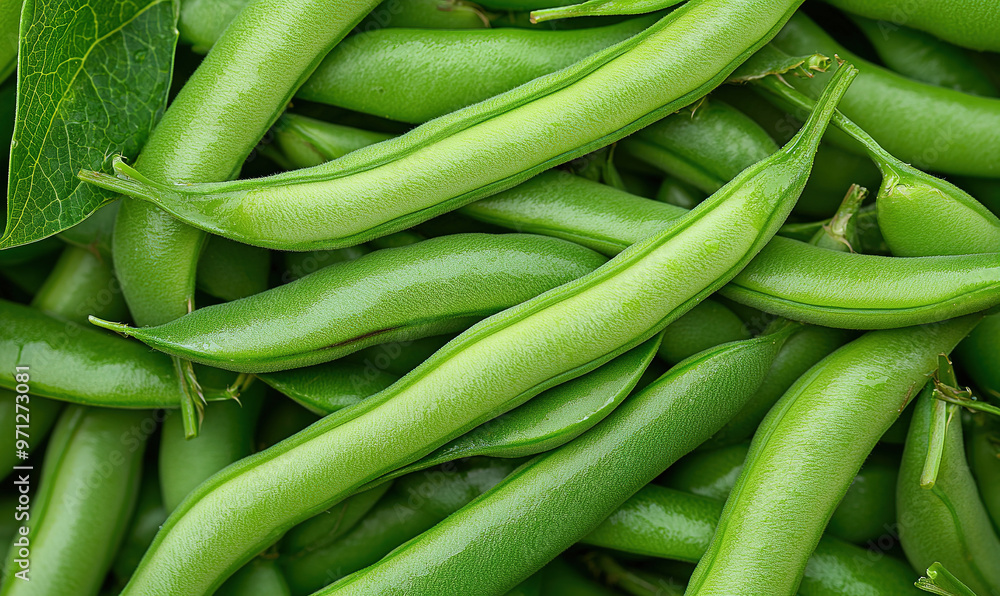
(92, 82)
(10, 16)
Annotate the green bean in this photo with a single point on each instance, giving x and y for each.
(708, 473)
(437, 286)
(678, 194)
(85, 366)
(506, 139)
(301, 264)
(841, 232)
(785, 278)
(983, 447)
(705, 148)
(948, 522)
(331, 525)
(89, 484)
(706, 325)
(969, 23)
(597, 8)
(307, 142)
(926, 125)
(524, 518)
(398, 358)
(416, 75)
(662, 522)
(807, 451)
(228, 270)
(603, 314)
(925, 58)
(412, 506)
(284, 418)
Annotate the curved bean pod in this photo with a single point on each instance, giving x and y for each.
(929, 126)
(416, 75)
(307, 142)
(948, 522)
(815, 438)
(146, 520)
(705, 148)
(260, 577)
(971, 23)
(662, 522)
(79, 515)
(706, 325)
(605, 313)
(437, 286)
(393, 185)
(926, 58)
(229, 270)
(524, 517)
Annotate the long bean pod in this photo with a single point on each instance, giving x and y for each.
(507, 139)
(603, 314)
(437, 286)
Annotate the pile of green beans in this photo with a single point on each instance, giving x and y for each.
(522, 297)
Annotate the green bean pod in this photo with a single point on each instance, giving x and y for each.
(926, 58)
(412, 506)
(603, 314)
(970, 23)
(947, 522)
(437, 286)
(865, 291)
(507, 139)
(416, 75)
(663, 522)
(82, 365)
(983, 448)
(929, 126)
(705, 148)
(260, 577)
(808, 450)
(88, 487)
(147, 518)
(524, 518)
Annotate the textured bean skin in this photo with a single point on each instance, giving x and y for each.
(524, 517)
(662, 522)
(437, 286)
(603, 314)
(77, 522)
(946, 523)
(416, 75)
(308, 142)
(971, 23)
(926, 58)
(228, 270)
(807, 451)
(82, 365)
(393, 185)
(396, 518)
(929, 126)
(705, 149)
